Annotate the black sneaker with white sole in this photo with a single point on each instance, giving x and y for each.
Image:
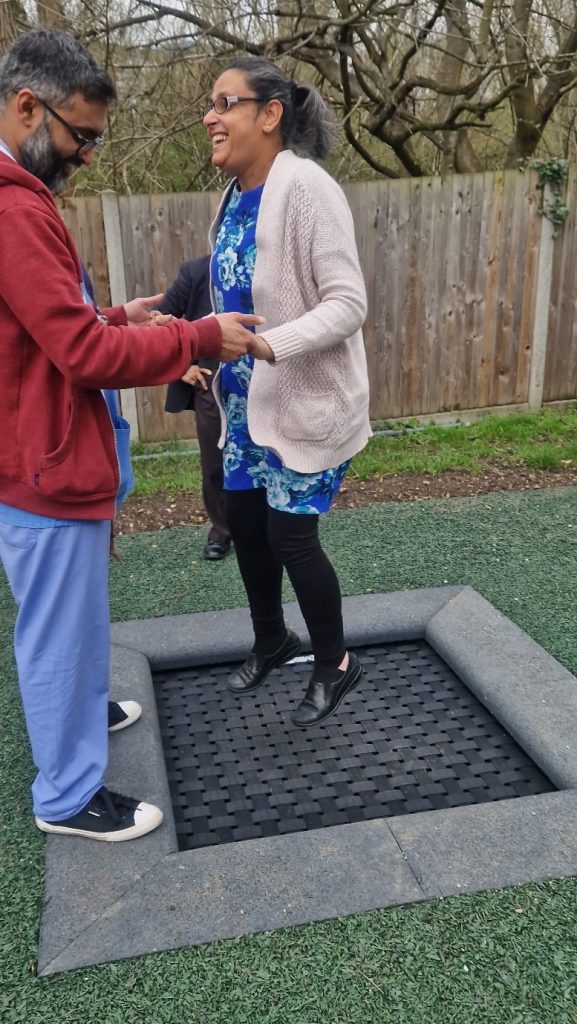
(109, 817)
(122, 713)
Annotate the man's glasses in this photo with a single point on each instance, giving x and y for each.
(223, 103)
(84, 145)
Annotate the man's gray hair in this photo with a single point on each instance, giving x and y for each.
(55, 66)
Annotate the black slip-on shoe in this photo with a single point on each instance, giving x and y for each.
(108, 817)
(216, 550)
(323, 698)
(122, 713)
(256, 668)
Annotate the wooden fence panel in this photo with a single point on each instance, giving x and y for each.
(158, 233)
(369, 205)
(451, 272)
(561, 360)
(83, 217)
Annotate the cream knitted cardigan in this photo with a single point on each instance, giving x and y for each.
(311, 405)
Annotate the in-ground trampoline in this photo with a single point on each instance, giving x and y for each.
(451, 768)
(411, 738)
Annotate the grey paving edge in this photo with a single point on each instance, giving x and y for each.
(523, 686)
(226, 891)
(175, 641)
(491, 846)
(104, 902)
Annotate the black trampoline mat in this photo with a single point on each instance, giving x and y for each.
(410, 738)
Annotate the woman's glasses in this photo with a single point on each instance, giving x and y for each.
(223, 103)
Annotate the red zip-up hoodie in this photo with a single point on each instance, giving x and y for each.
(57, 455)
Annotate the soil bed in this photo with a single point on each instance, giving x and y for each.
(160, 511)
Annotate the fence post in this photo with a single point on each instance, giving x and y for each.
(118, 296)
(542, 308)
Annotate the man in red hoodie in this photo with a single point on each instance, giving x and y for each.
(59, 466)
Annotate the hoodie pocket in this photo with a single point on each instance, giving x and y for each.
(63, 450)
(79, 467)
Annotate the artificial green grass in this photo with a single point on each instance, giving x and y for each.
(542, 440)
(170, 475)
(505, 957)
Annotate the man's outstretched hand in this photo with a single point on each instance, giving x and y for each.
(139, 311)
(236, 340)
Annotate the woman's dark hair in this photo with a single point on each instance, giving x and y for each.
(307, 124)
(55, 65)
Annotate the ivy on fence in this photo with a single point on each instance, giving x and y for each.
(552, 173)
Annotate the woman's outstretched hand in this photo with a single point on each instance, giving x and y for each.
(260, 349)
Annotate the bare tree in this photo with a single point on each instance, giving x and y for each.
(13, 22)
(51, 14)
(420, 85)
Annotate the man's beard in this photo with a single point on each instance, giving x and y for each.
(40, 157)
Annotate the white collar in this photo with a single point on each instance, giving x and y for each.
(4, 149)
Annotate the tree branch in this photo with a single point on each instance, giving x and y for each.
(421, 36)
(563, 78)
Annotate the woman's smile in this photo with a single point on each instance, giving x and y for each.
(218, 139)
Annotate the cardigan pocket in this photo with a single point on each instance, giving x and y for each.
(309, 416)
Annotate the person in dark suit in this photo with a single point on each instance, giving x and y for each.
(189, 296)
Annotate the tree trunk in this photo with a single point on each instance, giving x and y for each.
(451, 73)
(12, 22)
(466, 160)
(51, 14)
(527, 131)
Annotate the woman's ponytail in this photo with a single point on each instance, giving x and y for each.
(308, 123)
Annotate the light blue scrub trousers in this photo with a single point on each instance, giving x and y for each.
(59, 578)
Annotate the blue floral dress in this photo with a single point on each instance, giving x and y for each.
(246, 464)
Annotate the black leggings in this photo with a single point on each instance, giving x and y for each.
(266, 541)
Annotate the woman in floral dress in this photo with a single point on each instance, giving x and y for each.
(284, 247)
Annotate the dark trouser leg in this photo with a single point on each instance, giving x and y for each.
(295, 540)
(208, 433)
(261, 570)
